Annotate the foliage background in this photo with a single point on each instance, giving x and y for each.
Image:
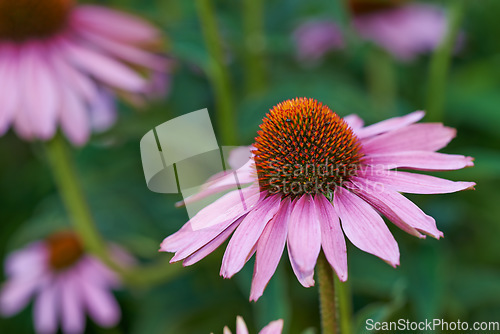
(455, 278)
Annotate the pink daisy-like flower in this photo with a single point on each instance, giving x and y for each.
(315, 178)
(275, 327)
(66, 284)
(404, 30)
(315, 38)
(62, 64)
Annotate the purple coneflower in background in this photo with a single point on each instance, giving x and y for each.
(66, 284)
(314, 171)
(62, 63)
(275, 327)
(315, 38)
(404, 30)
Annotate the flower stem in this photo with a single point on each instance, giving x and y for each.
(255, 43)
(440, 64)
(345, 308)
(327, 297)
(218, 73)
(381, 77)
(66, 178)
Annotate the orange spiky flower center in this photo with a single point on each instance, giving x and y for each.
(21, 20)
(360, 7)
(65, 249)
(304, 147)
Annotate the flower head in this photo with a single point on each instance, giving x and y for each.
(274, 327)
(66, 284)
(315, 177)
(64, 67)
(403, 29)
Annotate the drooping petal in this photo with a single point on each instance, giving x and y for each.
(100, 303)
(269, 249)
(400, 210)
(212, 245)
(16, 293)
(72, 308)
(390, 124)
(274, 327)
(104, 68)
(47, 308)
(241, 327)
(244, 239)
(113, 24)
(304, 235)
(364, 227)
(74, 117)
(8, 87)
(26, 261)
(230, 206)
(332, 237)
(415, 183)
(420, 160)
(414, 137)
(304, 278)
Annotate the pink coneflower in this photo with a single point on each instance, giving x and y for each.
(314, 172)
(315, 38)
(61, 64)
(275, 327)
(404, 30)
(66, 284)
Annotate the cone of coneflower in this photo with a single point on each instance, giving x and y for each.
(62, 64)
(317, 178)
(65, 282)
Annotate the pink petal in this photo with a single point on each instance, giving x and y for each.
(16, 293)
(332, 237)
(304, 235)
(94, 271)
(72, 312)
(46, 307)
(126, 52)
(74, 117)
(113, 24)
(420, 160)
(304, 278)
(104, 68)
(400, 210)
(40, 85)
(414, 137)
(102, 111)
(274, 327)
(226, 330)
(354, 121)
(390, 124)
(212, 245)
(100, 303)
(416, 183)
(26, 261)
(241, 327)
(8, 87)
(244, 239)
(364, 227)
(269, 249)
(230, 206)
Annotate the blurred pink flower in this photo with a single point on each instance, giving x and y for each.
(275, 327)
(311, 171)
(65, 67)
(315, 38)
(65, 282)
(404, 31)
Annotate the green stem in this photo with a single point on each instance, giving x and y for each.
(345, 308)
(72, 194)
(440, 64)
(382, 83)
(327, 297)
(255, 43)
(218, 73)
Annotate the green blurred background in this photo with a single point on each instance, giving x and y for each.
(457, 277)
